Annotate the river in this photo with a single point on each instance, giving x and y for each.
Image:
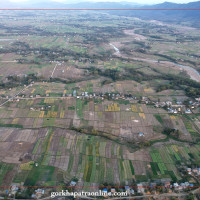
(193, 73)
(190, 68)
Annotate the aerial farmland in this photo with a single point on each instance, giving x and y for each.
(99, 100)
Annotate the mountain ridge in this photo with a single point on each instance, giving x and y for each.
(184, 17)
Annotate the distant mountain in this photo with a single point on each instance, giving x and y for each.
(56, 5)
(184, 17)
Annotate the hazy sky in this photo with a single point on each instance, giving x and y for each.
(135, 1)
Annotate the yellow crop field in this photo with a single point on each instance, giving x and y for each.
(113, 107)
(32, 91)
(85, 171)
(15, 121)
(30, 103)
(96, 108)
(175, 148)
(172, 117)
(49, 100)
(41, 114)
(100, 114)
(51, 114)
(134, 108)
(27, 166)
(2, 92)
(142, 115)
(148, 90)
(97, 148)
(48, 91)
(141, 110)
(62, 114)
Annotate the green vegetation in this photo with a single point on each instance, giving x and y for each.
(11, 125)
(79, 107)
(159, 118)
(38, 174)
(4, 168)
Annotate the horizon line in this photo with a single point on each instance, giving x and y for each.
(134, 9)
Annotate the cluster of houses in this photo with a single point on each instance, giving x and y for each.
(40, 109)
(113, 96)
(193, 171)
(38, 193)
(175, 108)
(179, 106)
(143, 188)
(146, 189)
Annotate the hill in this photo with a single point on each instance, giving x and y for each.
(184, 17)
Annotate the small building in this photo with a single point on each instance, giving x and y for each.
(113, 190)
(39, 192)
(74, 93)
(127, 188)
(132, 191)
(188, 111)
(189, 169)
(14, 189)
(195, 170)
(167, 184)
(140, 188)
(72, 183)
(175, 111)
(141, 134)
(182, 185)
(33, 196)
(191, 185)
(187, 184)
(105, 192)
(176, 186)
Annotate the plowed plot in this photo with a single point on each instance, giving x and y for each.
(126, 120)
(76, 154)
(15, 143)
(10, 69)
(140, 167)
(68, 72)
(168, 123)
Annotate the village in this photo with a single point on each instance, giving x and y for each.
(163, 186)
(177, 107)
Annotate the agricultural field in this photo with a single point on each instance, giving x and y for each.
(120, 118)
(87, 157)
(97, 98)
